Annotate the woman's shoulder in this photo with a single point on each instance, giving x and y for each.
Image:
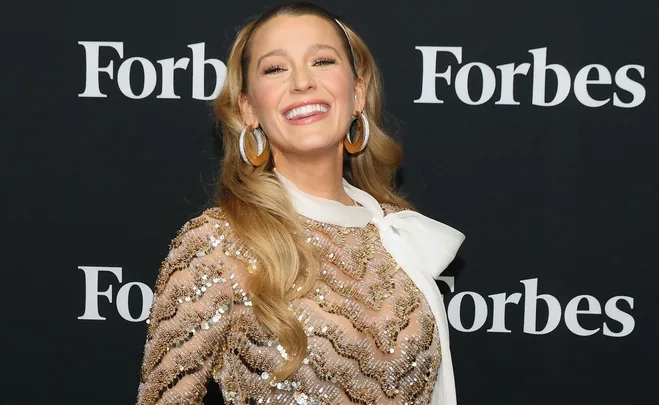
(211, 221)
(209, 216)
(203, 227)
(204, 241)
(215, 228)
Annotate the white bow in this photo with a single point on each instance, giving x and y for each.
(415, 240)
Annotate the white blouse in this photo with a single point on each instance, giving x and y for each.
(421, 246)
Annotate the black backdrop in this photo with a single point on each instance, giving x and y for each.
(558, 197)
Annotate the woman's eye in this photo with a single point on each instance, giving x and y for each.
(273, 69)
(324, 62)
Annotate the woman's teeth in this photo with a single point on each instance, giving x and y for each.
(305, 111)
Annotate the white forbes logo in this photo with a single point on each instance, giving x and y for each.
(166, 71)
(576, 312)
(123, 295)
(586, 78)
(616, 323)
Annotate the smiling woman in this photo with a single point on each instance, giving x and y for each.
(310, 280)
(304, 93)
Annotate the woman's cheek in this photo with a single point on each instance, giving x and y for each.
(268, 93)
(337, 83)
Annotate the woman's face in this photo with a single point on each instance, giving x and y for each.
(301, 88)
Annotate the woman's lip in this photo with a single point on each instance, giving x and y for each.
(308, 120)
(308, 102)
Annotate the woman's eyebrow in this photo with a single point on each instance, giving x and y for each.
(316, 47)
(276, 52)
(282, 52)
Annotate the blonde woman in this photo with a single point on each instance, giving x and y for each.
(310, 280)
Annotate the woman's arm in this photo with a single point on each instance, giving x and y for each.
(189, 319)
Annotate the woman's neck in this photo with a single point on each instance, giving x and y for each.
(319, 178)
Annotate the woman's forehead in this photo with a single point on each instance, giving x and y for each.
(287, 31)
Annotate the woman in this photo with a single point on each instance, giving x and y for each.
(310, 281)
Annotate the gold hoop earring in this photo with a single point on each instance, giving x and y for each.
(357, 137)
(247, 152)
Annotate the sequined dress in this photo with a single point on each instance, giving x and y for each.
(372, 338)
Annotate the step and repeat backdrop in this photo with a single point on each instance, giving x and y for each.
(530, 126)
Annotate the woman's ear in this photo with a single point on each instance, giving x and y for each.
(247, 111)
(360, 93)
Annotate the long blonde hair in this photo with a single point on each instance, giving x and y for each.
(262, 214)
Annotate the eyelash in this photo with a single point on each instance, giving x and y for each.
(279, 68)
(325, 61)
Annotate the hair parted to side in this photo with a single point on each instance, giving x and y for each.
(262, 214)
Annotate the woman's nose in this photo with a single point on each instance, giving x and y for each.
(303, 80)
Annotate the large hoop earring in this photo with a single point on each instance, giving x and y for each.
(357, 137)
(262, 150)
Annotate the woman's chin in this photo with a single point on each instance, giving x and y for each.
(317, 147)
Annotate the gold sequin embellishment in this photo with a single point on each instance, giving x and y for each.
(372, 338)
